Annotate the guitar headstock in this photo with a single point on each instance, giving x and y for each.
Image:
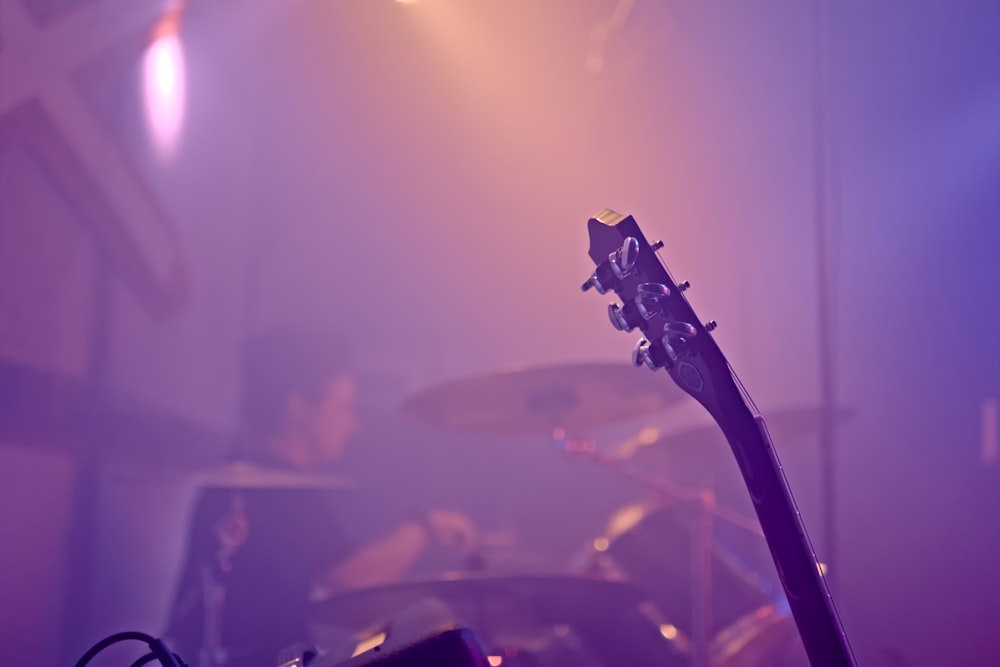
(673, 336)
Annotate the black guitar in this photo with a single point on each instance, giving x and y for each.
(675, 339)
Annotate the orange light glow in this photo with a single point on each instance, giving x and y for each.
(368, 644)
(648, 435)
(495, 660)
(625, 519)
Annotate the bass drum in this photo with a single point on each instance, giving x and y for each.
(651, 546)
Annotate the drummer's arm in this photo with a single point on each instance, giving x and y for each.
(382, 561)
(389, 558)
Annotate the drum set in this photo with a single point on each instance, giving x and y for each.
(668, 580)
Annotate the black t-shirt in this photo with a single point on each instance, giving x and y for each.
(291, 542)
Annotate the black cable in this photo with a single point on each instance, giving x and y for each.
(149, 657)
(166, 657)
(109, 641)
(158, 650)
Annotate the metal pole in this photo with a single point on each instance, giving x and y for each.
(826, 212)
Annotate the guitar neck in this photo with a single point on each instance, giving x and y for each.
(805, 587)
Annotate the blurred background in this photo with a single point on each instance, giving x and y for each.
(417, 177)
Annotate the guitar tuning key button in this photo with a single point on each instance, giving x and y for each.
(646, 354)
(711, 326)
(656, 246)
(649, 299)
(625, 317)
(640, 353)
(684, 286)
(681, 329)
(623, 260)
(617, 317)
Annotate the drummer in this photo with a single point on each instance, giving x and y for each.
(254, 554)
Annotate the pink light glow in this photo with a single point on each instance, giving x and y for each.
(164, 89)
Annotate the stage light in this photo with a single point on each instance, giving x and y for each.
(164, 86)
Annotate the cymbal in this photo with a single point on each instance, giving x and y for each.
(248, 475)
(706, 443)
(575, 397)
(488, 600)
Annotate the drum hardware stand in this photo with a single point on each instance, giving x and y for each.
(588, 449)
(701, 574)
(212, 653)
(705, 513)
(231, 533)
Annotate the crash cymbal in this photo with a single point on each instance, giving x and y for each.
(575, 397)
(247, 475)
(706, 443)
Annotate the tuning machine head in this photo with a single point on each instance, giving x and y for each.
(620, 265)
(625, 317)
(595, 281)
(622, 260)
(640, 355)
(650, 299)
(654, 354)
(681, 330)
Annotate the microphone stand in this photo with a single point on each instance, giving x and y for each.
(826, 211)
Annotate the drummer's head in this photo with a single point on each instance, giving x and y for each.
(299, 398)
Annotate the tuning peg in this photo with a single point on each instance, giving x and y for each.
(625, 317)
(594, 282)
(640, 355)
(623, 260)
(617, 318)
(649, 299)
(684, 286)
(679, 329)
(653, 355)
(711, 326)
(603, 279)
